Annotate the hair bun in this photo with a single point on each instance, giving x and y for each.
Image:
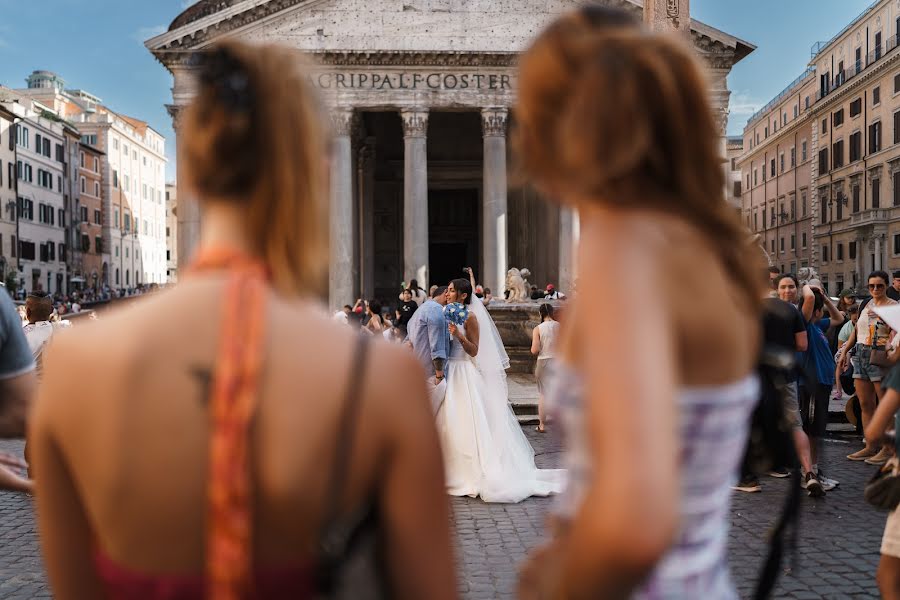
(225, 74)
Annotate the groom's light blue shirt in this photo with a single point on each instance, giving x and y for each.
(427, 331)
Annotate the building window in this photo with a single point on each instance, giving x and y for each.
(793, 157)
(115, 179)
(855, 146)
(793, 242)
(897, 127)
(806, 103)
(737, 189)
(823, 161)
(875, 137)
(97, 189)
(755, 179)
(773, 246)
(876, 192)
(824, 254)
(82, 214)
(82, 160)
(116, 221)
(781, 244)
(876, 96)
(837, 149)
(840, 251)
(781, 162)
(803, 151)
(82, 185)
(896, 182)
(855, 192)
(896, 244)
(855, 109)
(803, 240)
(851, 250)
(98, 245)
(837, 119)
(97, 217)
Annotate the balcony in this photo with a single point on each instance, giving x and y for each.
(871, 217)
(843, 77)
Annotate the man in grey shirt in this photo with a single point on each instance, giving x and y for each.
(428, 335)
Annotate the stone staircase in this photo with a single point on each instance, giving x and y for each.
(523, 396)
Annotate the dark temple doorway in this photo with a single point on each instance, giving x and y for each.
(453, 227)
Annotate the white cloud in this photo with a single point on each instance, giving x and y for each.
(145, 33)
(743, 105)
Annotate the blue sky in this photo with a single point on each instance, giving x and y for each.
(97, 45)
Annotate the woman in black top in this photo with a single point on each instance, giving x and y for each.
(406, 309)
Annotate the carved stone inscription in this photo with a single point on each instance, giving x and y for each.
(442, 81)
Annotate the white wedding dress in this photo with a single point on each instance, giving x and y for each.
(485, 451)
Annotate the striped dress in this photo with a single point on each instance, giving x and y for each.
(714, 428)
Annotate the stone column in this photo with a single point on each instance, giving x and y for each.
(494, 205)
(415, 195)
(188, 232)
(567, 249)
(366, 162)
(340, 265)
(668, 15)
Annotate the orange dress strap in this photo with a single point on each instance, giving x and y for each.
(234, 397)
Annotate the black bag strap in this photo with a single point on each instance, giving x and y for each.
(789, 517)
(345, 431)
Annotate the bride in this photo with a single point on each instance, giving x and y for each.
(485, 452)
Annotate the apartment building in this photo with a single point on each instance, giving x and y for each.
(89, 217)
(775, 168)
(856, 137)
(734, 147)
(172, 233)
(40, 244)
(821, 161)
(8, 266)
(132, 174)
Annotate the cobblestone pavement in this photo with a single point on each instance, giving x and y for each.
(836, 557)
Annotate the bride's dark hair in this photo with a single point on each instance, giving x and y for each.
(463, 287)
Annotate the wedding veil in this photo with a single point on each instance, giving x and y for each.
(492, 358)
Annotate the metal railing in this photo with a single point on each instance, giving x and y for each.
(819, 46)
(842, 77)
(781, 96)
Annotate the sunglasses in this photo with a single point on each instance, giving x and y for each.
(876, 286)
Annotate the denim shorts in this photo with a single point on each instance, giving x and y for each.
(862, 368)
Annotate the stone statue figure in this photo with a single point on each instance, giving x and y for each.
(517, 285)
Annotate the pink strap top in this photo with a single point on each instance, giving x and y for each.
(268, 584)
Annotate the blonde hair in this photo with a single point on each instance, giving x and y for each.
(253, 136)
(621, 116)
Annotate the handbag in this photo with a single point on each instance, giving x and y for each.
(349, 562)
(883, 489)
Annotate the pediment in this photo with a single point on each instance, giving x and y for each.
(482, 26)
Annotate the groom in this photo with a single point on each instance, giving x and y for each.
(430, 340)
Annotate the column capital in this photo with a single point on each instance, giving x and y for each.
(494, 121)
(176, 111)
(342, 121)
(415, 122)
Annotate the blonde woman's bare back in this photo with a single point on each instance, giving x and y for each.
(123, 416)
(648, 253)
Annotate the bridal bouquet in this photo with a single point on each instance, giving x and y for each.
(456, 313)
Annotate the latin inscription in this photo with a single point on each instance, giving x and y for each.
(412, 81)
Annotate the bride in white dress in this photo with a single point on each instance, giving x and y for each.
(485, 451)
